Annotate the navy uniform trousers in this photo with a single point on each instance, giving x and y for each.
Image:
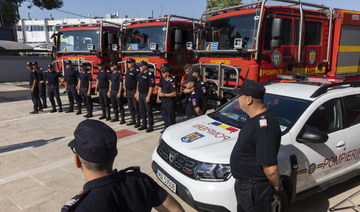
(133, 104)
(53, 91)
(87, 100)
(72, 94)
(36, 99)
(146, 110)
(42, 92)
(117, 104)
(104, 101)
(168, 106)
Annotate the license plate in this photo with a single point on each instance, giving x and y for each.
(170, 184)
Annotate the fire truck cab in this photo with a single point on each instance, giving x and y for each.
(89, 43)
(256, 41)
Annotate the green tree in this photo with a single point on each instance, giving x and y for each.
(221, 3)
(9, 9)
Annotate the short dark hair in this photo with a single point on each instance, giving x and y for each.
(187, 65)
(95, 167)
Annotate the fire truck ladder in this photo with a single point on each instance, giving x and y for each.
(354, 206)
(219, 82)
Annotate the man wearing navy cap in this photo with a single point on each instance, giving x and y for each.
(116, 84)
(107, 189)
(253, 160)
(201, 87)
(144, 91)
(167, 96)
(84, 88)
(71, 78)
(103, 86)
(131, 77)
(52, 78)
(42, 86)
(195, 101)
(34, 87)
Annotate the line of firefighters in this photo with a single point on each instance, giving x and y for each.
(136, 86)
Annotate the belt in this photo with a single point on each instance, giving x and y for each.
(249, 181)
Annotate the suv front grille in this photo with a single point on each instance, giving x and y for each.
(180, 162)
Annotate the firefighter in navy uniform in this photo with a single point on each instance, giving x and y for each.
(107, 189)
(71, 78)
(253, 159)
(84, 89)
(116, 84)
(103, 86)
(34, 87)
(52, 78)
(42, 86)
(167, 97)
(145, 87)
(194, 103)
(131, 77)
(201, 87)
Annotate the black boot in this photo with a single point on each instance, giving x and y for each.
(60, 109)
(45, 105)
(34, 112)
(78, 112)
(122, 120)
(108, 118)
(150, 128)
(103, 115)
(132, 122)
(137, 124)
(89, 115)
(70, 110)
(53, 110)
(143, 127)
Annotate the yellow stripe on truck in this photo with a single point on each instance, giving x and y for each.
(344, 69)
(349, 48)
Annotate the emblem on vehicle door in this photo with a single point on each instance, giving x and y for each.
(172, 156)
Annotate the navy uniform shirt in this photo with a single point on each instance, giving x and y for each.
(200, 85)
(85, 78)
(33, 76)
(257, 146)
(103, 79)
(53, 78)
(118, 191)
(146, 80)
(168, 86)
(131, 77)
(116, 78)
(41, 74)
(195, 100)
(71, 76)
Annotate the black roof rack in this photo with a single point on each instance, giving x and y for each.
(323, 89)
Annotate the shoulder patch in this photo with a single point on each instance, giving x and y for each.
(73, 202)
(262, 122)
(193, 102)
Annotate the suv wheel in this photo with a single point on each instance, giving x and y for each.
(279, 201)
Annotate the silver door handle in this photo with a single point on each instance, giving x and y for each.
(340, 144)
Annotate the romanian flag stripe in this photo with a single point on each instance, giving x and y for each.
(224, 126)
(302, 171)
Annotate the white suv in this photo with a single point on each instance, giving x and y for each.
(320, 145)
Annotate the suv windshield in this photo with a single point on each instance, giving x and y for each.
(220, 33)
(287, 111)
(77, 40)
(139, 38)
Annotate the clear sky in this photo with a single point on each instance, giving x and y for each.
(144, 8)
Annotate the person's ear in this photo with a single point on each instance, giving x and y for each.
(77, 161)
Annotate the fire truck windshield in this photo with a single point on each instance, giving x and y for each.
(77, 40)
(220, 33)
(139, 38)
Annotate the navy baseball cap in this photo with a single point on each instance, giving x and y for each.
(130, 60)
(100, 63)
(251, 88)
(143, 63)
(113, 63)
(68, 62)
(34, 63)
(190, 78)
(50, 65)
(29, 63)
(94, 141)
(165, 69)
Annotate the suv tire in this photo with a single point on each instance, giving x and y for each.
(279, 201)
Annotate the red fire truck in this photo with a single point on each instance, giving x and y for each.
(160, 42)
(86, 42)
(256, 41)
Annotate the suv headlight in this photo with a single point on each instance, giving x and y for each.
(212, 172)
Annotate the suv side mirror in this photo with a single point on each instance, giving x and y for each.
(312, 136)
(178, 39)
(276, 33)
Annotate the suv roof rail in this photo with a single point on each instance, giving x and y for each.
(323, 89)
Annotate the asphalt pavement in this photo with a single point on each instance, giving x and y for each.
(37, 168)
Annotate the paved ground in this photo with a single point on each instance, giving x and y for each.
(37, 169)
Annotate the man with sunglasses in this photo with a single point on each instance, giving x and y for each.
(107, 189)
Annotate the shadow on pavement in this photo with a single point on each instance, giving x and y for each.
(34, 144)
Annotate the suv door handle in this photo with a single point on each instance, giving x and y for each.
(340, 144)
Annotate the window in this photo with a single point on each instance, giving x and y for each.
(50, 28)
(326, 118)
(312, 32)
(352, 109)
(184, 36)
(286, 32)
(77, 40)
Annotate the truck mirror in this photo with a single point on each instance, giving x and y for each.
(189, 46)
(91, 47)
(114, 47)
(178, 39)
(276, 27)
(153, 46)
(312, 136)
(320, 66)
(238, 43)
